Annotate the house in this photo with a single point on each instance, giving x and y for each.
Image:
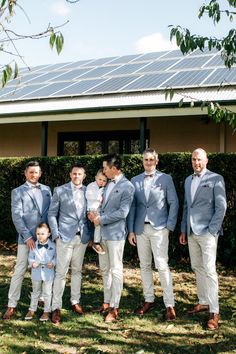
(118, 104)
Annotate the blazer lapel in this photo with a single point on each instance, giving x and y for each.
(32, 196)
(69, 193)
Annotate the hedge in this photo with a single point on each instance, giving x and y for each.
(56, 172)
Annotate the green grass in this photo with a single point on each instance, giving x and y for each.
(130, 334)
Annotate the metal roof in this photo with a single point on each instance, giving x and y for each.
(125, 81)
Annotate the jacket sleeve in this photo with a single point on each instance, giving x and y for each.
(173, 203)
(53, 214)
(220, 207)
(17, 215)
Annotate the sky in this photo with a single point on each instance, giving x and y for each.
(105, 28)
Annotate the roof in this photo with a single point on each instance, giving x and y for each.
(125, 81)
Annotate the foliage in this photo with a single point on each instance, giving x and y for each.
(56, 172)
(7, 36)
(188, 42)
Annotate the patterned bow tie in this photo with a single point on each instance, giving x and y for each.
(113, 180)
(196, 175)
(40, 245)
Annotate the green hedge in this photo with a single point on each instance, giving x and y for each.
(55, 172)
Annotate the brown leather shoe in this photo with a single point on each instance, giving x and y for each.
(56, 316)
(78, 309)
(170, 314)
(104, 308)
(213, 322)
(199, 308)
(112, 315)
(9, 313)
(147, 306)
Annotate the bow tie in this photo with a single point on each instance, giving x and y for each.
(196, 175)
(37, 186)
(113, 181)
(151, 175)
(40, 245)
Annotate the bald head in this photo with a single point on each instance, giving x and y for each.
(199, 160)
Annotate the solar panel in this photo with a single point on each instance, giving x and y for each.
(23, 90)
(188, 78)
(190, 62)
(126, 59)
(222, 76)
(136, 72)
(44, 91)
(98, 72)
(148, 82)
(70, 75)
(158, 65)
(78, 88)
(152, 56)
(215, 61)
(113, 84)
(128, 69)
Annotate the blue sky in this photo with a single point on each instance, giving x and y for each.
(104, 28)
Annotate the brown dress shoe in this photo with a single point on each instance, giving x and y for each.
(104, 308)
(170, 314)
(56, 316)
(112, 315)
(213, 322)
(147, 306)
(199, 308)
(9, 313)
(78, 309)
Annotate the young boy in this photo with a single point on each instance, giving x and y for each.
(42, 260)
(94, 195)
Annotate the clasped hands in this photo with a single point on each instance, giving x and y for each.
(93, 216)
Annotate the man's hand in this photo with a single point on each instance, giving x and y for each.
(183, 239)
(96, 221)
(91, 215)
(30, 244)
(35, 265)
(132, 238)
(50, 265)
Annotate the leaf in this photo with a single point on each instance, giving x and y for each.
(52, 40)
(181, 102)
(59, 43)
(16, 71)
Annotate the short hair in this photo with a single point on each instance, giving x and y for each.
(100, 172)
(43, 224)
(113, 160)
(32, 164)
(77, 165)
(151, 151)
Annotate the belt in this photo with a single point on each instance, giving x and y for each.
(147, 222)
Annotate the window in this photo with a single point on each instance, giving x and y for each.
(89, 143)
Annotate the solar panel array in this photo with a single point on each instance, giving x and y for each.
(129, 73)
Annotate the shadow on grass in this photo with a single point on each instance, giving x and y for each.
(131, 333)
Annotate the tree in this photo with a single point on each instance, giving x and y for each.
(188, 42)
(7, 36)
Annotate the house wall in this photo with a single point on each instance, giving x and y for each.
(166, 134)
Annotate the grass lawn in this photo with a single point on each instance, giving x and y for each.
(130, 334)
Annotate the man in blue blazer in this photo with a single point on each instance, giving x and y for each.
(118, 196)
(203, 214)
(152, 216)
(29, 207)
(69, 227)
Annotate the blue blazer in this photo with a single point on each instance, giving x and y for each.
(208, 208)
(43, 256)
(115, 209)
(161, 206)
(63, 218)
(26, 214)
